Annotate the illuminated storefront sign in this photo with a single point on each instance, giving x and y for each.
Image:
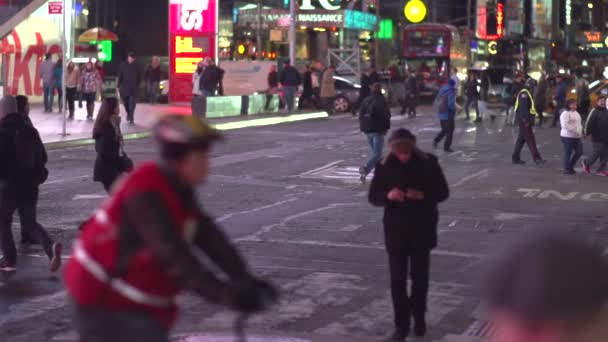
(568, 12)
(360, 20)
(490, 20)
(327, 4)
(493, 47)
(192, 26)
(349, 19)
(593, 36)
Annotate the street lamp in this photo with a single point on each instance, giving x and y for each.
(590, 5)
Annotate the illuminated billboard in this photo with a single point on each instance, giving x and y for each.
(192, 29)
(490, 19)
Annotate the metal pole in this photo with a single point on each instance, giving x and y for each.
(64, 49)
(377, 50)
(216, 55)
(292, 32)
(469, 7)
(258, 33)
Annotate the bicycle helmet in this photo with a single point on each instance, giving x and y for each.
(179, 134)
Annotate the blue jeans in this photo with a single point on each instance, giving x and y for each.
(290, 95)
(48, 89)
(573, 150)
(376, 143)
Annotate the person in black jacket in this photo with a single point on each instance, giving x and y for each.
(410, 100)
(21, 172)
(108, 141)
(374, 121)
(289, 79)
(409, 184)
(470, 88)
(307, 93)
(211, 79)
(128, 85)
(597, 127)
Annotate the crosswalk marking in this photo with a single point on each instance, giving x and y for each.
(346, 174)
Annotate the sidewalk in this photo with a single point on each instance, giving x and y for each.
(79, 130)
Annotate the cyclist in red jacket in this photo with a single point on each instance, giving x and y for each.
(134, 255)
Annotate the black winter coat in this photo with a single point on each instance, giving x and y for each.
(211, 78)
(108, 165)
(374, 115)
(128, 79)
(22, 159)
(597, 125)
(413, 223)
(290, 77)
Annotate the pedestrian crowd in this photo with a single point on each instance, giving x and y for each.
(86, 84)
(140, 248)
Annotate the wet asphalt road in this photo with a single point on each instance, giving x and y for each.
(290, 196)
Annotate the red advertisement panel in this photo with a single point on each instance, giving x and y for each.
(192, 27)
(186, 52)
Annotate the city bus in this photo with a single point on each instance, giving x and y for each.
(431, 50)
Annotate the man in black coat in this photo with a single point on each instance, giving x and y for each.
(21, 172)
(409, 184)
(211, 79)
(128, 85)
(597, 127)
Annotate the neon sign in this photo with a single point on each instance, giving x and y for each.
(185, 44)
(307, 5)
(593, 36)
(192, 30)
(483, 21)
(192, 15)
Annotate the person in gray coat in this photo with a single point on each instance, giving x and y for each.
(47, 69)
(128, 85)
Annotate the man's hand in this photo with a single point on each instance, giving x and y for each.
(396, 195)
(412, 194)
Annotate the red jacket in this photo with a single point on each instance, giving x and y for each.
(94, 275)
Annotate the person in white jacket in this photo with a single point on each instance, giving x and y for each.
(571, 135)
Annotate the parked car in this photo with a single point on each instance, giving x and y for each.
(347, 93)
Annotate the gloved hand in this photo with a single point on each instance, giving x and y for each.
(255, 295)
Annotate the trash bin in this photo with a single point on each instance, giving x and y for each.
(110, 87)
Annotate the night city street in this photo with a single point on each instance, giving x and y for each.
(290, 196)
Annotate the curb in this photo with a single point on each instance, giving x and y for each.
(227, 126)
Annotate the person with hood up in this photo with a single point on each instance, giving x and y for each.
(22, 170)
(445, 104)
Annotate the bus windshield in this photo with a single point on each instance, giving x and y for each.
(428, 67)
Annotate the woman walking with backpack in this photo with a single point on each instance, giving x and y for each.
(109, 164)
